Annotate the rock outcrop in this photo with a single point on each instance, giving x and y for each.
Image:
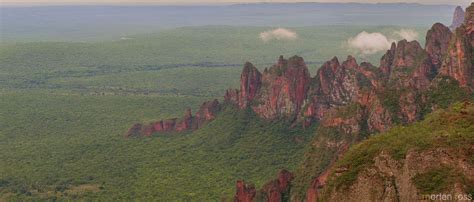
(416, 174)
(410, 72)
(340, 84)
(389, 180)
(458, 18)
(279, 92)
(350, 101)
(273, 191)
(411, 67)
(437, 42)
(207, 112)
(390, 94)
(245, 192)
(277, 190)
(283, 89)
(250, 83)
(459, 60)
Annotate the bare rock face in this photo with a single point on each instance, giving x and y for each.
(458, 18)
(387, 60)
(411, 66)
(186, 123)
(333, 80)
(437, 42)
(245, 192)
(397, 90)
(329, 90)
(250, 83)
(277, 190)
(379, 118)
(390, 180)
(409, 70)
(386, 177)
(207, 112)
(469, 20)
(341, 84)
(284, 89)
(346, 119)
(232, 96)
(458, 63)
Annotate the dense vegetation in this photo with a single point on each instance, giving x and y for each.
(64, 108)
(60, 142)
(135, 64)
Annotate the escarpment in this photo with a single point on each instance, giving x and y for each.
(393, 93)
(350, 101)
(458, 63)
(407, 163)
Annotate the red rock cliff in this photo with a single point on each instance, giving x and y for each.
(458, 63)
(250, 83)
(245, 192)
(207, 112)
(284, 89)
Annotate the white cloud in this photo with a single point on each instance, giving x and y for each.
(371, 43)
(278, 34)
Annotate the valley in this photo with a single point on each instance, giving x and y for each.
(83, 118)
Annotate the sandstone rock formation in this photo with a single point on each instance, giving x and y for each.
(389, 180)
(458, 63)
(250, 83)
(349, 101)
(207, 112)
(413, 176)
(274, 191)
(279, 92)
(445, 54)
(437, 41)
(458, 18)
(245, 192)
(277, 190)
(389, 94)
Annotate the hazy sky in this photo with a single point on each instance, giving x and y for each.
(181, 2)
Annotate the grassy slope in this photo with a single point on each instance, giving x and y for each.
(452, 128)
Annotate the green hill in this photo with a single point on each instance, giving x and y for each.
(445, 135)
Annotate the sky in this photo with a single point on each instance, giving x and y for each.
(198, 2)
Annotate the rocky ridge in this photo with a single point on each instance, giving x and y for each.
(287, 91)
(346, 98)
(383, 169)
(189, 122)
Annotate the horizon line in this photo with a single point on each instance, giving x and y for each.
(11, 4)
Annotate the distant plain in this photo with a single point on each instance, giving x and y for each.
(73, 79)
